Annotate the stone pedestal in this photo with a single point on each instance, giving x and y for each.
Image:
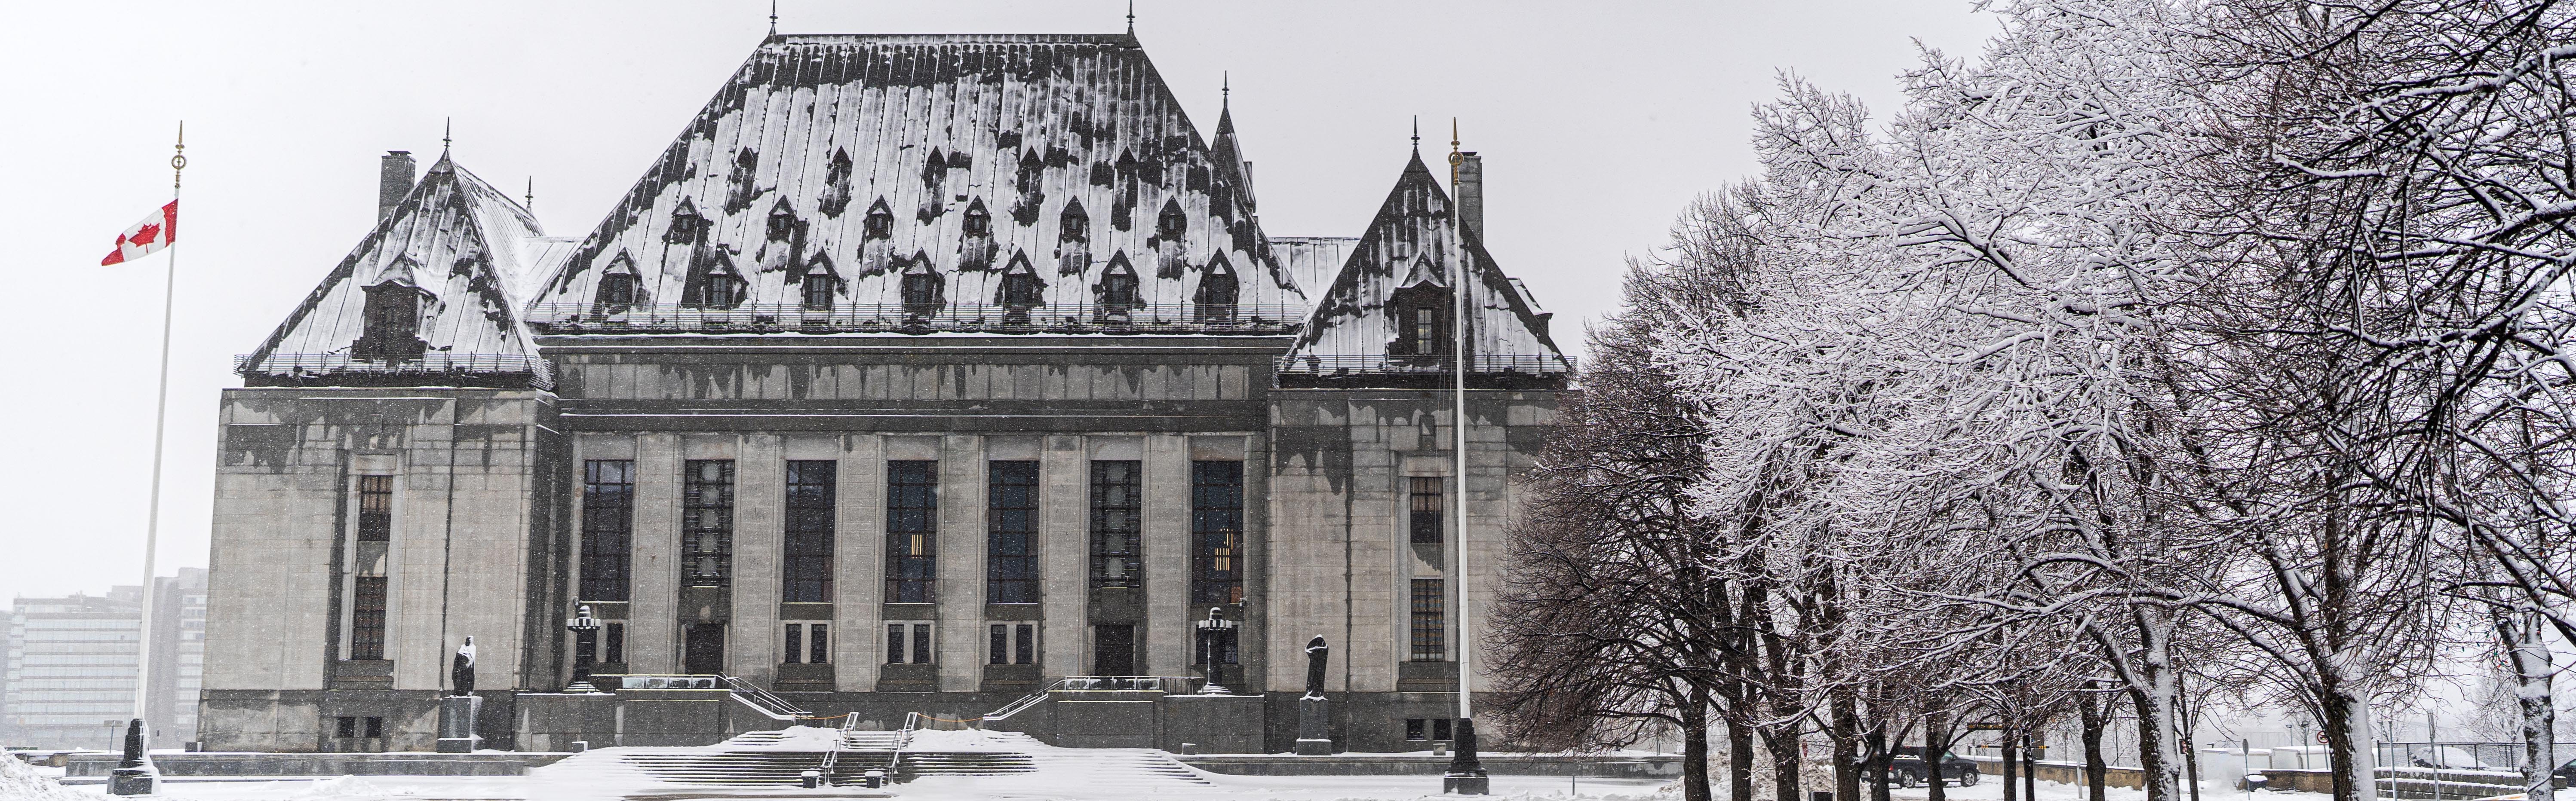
(456, 716)
(134, 775)
(1314, 726)
(1466, 774)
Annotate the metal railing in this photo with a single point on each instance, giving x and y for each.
(840, 738)
(2482, 756)
(466, 368)
(1175, 685)
(762, 701)
(1480, 364)
(993, 318)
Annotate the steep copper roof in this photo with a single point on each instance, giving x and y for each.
(858, 157)
(463, 245)
(1415, 241)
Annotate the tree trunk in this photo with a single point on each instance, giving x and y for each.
(2030, 767)
(2010, 767)
(1847, 747)
(1878, 758)
(2519, 634)
(2348, 741)
(1786, 784)
(1739, 760)
(1695, 747)
(1936, 742)
(2097, 770)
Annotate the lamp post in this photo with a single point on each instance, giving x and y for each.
(582, 624)
(1216, 636)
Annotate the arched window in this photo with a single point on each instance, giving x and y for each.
(1117, 289)
(820, 284)
(880, 221)
(921, 286)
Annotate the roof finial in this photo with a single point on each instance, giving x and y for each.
(773, 17)
(1417, 134)
(1225, 89)
(447, 140)
(531, 205)
(1131, 17)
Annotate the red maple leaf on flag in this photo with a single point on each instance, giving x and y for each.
(144, 235)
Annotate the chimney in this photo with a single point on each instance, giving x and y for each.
(393, 181)
(1471, 194)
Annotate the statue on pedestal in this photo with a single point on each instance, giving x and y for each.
(1314, 713)
(1316, 650)
(460, 674)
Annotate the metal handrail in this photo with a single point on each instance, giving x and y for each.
(1483, 363)
(1089, 683)
(840, 738)
(761, 700)
(998, 318)
(463, 365)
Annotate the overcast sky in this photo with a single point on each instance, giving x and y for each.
(1597, 122)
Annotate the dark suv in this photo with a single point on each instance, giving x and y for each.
(1907, 765)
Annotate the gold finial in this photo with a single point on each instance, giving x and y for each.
(1455, 158)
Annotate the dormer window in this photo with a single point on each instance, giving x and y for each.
(1218, 289)
(1075, 225)
(722, 288)
(617, 289)
(921, 286)
(1421, 317)
(820, 284)
(1117, 289)
(978, 221)
(782, 222)
(687, 226)
(880, 221)
(1020, 284)
(392, 324)
(1171, 224)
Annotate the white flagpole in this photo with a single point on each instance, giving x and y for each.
(160, 427)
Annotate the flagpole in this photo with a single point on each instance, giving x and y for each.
(1466, 775)
(135, 775)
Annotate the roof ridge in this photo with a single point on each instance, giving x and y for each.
(951, 38)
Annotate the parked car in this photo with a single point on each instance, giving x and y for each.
(1907, 764)
(2449, 758)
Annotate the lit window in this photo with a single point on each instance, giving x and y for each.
(912, 532)
(1216, 532)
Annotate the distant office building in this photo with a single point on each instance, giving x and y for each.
(70, 679)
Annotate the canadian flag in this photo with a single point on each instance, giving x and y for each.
(153, 233)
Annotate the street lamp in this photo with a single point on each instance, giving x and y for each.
(1216, 637)
(582, 624)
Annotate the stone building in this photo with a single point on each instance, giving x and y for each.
(917, 373)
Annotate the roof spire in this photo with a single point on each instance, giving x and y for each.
(1417, 134)
(1131, 17)
(1225, 89)
(447, 140)
(773, 17)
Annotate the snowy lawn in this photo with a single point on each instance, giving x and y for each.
(1992, 789)
(992, 788)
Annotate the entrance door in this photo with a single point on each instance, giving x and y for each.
(1113, 650)
(703, 651)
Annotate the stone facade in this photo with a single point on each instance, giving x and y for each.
(630, 442)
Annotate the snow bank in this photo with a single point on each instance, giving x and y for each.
(19, 781)
(970, 740)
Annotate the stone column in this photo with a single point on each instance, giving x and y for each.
(962, 474)
(1064, 555)
(653, 625)
(759, 528)
(858, 556)
(1167, 555)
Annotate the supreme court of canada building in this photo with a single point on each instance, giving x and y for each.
(916, 375)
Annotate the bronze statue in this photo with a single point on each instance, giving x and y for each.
(1316, 650)
(461, 673)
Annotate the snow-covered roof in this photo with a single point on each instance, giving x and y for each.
(1415, 241)
(462, 244)
(1036, 135)
(1313, 260)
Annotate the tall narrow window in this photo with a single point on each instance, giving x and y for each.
(818, 643)
(367, 618)
(1430, 627)
(921, 286)
(706, 523)
(1422, 321)
(607, 528)
(795, 650)
(1010, 545)
(1024, 647)
(999, 651)
(808, 546)
(614, 649)
(1002, 651)
(1425, 501)
(912, 532)
(1117, 515)
(819, 284)
(1216, 532)
(1117, 289)
(1218, 291)
(375, 508)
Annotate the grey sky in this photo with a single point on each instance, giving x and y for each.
(1597, 122)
